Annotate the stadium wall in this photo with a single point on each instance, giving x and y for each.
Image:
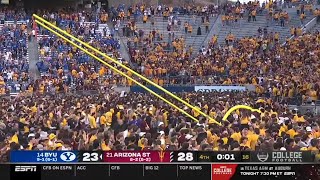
(169, 88)
(168, 2)
(126, 2)
(314, 109)
(219, 88)
(178, 88)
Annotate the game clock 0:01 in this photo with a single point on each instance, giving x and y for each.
(225, 157)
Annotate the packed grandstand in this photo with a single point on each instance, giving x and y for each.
(53, 96)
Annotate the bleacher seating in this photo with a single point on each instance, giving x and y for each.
(14, 55)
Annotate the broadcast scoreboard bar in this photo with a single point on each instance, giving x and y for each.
(160, 156)
(164, 165)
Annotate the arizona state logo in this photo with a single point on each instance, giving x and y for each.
(161, 155)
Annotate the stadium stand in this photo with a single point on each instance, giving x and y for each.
(14, 67)
(76, 68)
(266, 19)
(169, 22)
(74, 105)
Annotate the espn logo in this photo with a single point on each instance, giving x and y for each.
(25, 169)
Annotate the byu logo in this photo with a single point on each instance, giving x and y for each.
(68, 156)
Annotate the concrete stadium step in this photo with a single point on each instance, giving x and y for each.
(316, 28)
(251, 29)
(33, 57)
(161, 25)
(123, 50)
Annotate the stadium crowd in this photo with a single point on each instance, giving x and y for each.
(50, 117)
(14, 65)
(138, 121)
(62, 61)
(258, 60)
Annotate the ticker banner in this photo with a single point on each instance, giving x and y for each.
(156, 171)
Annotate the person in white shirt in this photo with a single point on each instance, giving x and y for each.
(92, 31)
(10, 75)
(52, 16)
(17, 87)
(7, 56)
(12, 34)
(81, 74)
(33, 33)
(149, 12)
(159, 10)
(46, 49)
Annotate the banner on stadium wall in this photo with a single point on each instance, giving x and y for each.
(5, 2)
(169, 88)
(219, 88)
